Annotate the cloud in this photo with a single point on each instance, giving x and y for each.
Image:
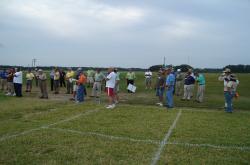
(72, 18)
(1, 45)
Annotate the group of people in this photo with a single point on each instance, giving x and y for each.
(168, 81)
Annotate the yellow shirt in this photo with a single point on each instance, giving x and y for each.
(30, 76)
(70, 74)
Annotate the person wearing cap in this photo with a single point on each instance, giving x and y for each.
(201, 81)
(29, 79)
(188, 82)
(229, 88)
(110, 85)
(69, 83)
(56, 80)
(80, 87)
(18, 81)
(179, 82)
(97, 86)
(42, 81)
(160, 87)
(130, 77)
(148, 79)
(170, 82)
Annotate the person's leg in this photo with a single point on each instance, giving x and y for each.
(228, 98)
(45, 91)
(170, 98)
(41, 89)
(185, 95)
(51, 84)
(71, 88)
(189, 94)
(202, 93)
(19, 90)
(94, 90)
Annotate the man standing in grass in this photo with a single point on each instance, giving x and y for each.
(42, 81)
(170, 82)
(3, 80)
(10, 84)
(230, 84)
(97, 87)
(201, 87)
(148, 79)
(160, 87)
(110, 85)
(189, 80)
(90, 77)
(130, 77)
(18, 81)
(29, 80)
(117, 86)
(56, 80)
(179, 82)
(69, 76)
(52, 74)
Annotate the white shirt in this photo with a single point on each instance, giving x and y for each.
(18, 77)
(148, 74)
(111, 80)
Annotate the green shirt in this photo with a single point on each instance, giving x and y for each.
(117, 76)
(201, 79)
(99, 77)
(90, 73)
(130, 76)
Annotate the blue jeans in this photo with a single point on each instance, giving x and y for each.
(228, 98)
(80, 93)
(170, 97)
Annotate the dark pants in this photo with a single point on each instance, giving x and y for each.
(69, 87)
(51, 84)
(18, 89)
(130, 82)
(62, 82)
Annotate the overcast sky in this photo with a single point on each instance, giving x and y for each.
(125, 33)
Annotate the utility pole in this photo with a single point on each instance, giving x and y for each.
(188, 60)
(34, 62)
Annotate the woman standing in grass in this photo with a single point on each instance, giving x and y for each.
(29, 79)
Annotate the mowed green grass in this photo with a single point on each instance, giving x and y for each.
(54, 131)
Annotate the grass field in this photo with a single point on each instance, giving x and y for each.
(57, 131)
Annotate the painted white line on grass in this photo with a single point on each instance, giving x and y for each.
(165, 140)
(71, 118)
(47, 126)
(19, 134)
(211, 146)
(111, 137)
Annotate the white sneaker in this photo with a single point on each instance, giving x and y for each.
(8, 94)
(161, 105)
(14, 94)
(158, 103)
(111, 106)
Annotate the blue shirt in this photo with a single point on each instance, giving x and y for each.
(189, 80)
(3, 75)
(170, 81)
